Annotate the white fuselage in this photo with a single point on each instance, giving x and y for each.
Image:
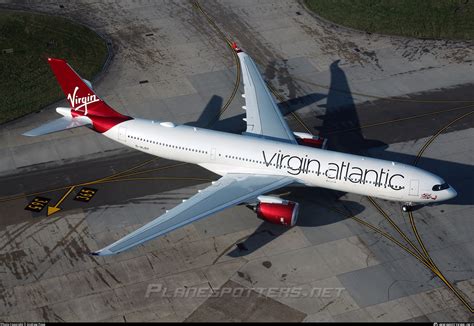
(224, 153)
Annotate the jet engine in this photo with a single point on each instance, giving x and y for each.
(277, 211)
(310, 140)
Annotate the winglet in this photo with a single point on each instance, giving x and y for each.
(102, 252)
(235, 47)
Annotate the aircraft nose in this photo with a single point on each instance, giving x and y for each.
(452, 193)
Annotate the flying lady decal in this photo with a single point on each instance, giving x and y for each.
(428, 196)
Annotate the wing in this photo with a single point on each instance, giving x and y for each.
(230, 190)
(263, 115)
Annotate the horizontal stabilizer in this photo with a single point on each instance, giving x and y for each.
(59, 125)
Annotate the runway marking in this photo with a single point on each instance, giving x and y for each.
(435, 268)
(395, 226)
(56, 208)
(382, 233)
(37, 204)
(88, 183)
(148, 171)
(430, 141)
(424, 257)
(85, 194)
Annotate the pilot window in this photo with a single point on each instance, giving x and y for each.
(440, 187)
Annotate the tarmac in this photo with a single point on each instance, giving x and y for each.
(380, 96)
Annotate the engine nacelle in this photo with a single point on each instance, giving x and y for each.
(310, 140)
(277, 211)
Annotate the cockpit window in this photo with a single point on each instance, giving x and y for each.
(440, 187)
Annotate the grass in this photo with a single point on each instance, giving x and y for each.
(434, 19)
(26, 81)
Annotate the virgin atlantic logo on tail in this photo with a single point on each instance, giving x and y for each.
(81, 102)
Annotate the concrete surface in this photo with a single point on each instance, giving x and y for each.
(47, 274)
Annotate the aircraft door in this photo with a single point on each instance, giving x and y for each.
(414, 187)
(213, 154)
(122, 134)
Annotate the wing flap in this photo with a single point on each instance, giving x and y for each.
(230, 190)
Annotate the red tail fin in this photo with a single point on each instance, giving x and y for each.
(82, 98)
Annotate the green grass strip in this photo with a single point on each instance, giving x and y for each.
(433, 19)
(26, 41)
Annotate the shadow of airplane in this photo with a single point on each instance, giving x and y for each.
(209, 116)
(340, 114)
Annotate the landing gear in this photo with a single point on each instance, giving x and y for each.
(408, 208)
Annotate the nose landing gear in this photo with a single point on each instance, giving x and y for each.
(408, 207)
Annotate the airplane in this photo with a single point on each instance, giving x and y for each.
(266, 157)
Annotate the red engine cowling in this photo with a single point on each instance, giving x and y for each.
(284, 213)
(310, 140)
